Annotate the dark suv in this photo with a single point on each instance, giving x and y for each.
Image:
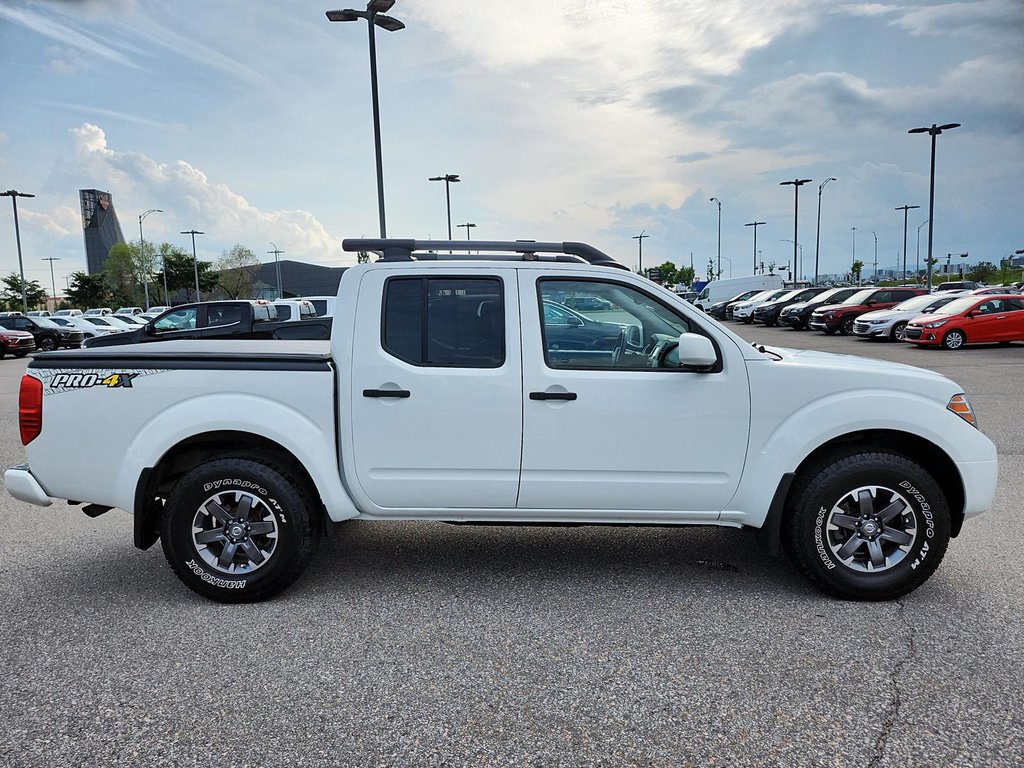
(768, 313)
(797, 315)
(840, 317)
(48, 335)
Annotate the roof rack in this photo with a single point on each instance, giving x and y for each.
(518, 250)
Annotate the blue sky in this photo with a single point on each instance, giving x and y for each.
(591, 121)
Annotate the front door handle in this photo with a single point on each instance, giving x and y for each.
(386, 393)
(552, 395)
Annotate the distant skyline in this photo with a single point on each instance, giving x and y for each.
(588, 121)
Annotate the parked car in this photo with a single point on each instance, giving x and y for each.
(81, 324)
(48, 334)
(254, 319)
(587, 303)
(107, 322)
(744, 311)
(17, 343)
(131, 320)
(995, 290)
(39, 313)
(768, 313)
(797, 315)
(892, 323)
(68, 313)
(958, 285)
(324, 305)
(155, 311)
(129, 311)
(841, 317)
(99, 311)
(718, 310)
(567, 329)
(289, 310)
(970, 320)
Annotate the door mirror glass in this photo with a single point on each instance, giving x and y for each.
(696, 350)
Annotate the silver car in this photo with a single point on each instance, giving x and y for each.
(892, 323)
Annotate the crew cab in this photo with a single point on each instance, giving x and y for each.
(442, 397)
(218, 319)
(841, 317)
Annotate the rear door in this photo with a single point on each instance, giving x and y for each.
(436, 390)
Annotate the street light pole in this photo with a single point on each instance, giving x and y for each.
(468, 227)
(195, 260)
(905, 208)
(817, 237)
(142, 255)
(53, 281)
(716, 200)
(934, 131)
(854, 229)
(874, 274)
(796, 184)
(277, 266)
(640, 257)
(448, 179)
(374, 15)
(755, 225)
(14, 195)
(798, 245)
(917, 265)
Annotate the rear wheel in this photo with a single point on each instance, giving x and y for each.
(954, 339)
(866, 524)
(899, 332)
(237, 530)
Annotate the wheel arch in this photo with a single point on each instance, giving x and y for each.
(930, 456)
(154, 482)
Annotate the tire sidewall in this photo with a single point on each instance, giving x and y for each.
(896, 331)
(933, 529)
(193, 490)
(963, 339)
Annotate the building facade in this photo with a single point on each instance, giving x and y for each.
(101, 227)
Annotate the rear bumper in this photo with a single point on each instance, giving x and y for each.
(22, 485)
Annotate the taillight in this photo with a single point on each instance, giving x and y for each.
(30, 409)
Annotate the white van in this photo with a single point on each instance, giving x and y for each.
(720, 290)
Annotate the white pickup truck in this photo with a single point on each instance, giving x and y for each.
(458, 389)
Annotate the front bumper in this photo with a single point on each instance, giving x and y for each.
(817, 324)
(872, 331)
(22, 485)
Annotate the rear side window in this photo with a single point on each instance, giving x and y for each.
(284, 312)
(223, 315)
(445, 322)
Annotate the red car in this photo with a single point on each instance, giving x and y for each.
(970, 320)
(17, 343)
(840, 317)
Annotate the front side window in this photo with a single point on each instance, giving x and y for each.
(632, 330)
(178, 320)
(445, 322)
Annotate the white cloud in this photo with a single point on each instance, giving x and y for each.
(65, 35)
(190, 199)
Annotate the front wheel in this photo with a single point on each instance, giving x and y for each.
(899, 332)
(866, 524)
(237, 530)
(846, 326)
(47, 344)
(954, 339)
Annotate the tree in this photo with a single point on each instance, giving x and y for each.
(181, 272)
(771, 267)
(855, 269)
(121, 271)
(667, 273)
(88, 290)
(983, 272)
(711, 268)
(235, 270)
(35, 294)
(685, 276)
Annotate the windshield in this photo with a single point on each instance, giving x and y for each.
(97, 320)
(45, 322)
(860, 296)
(956, 306)
(759, 296)
(922, 303)
(786, 295)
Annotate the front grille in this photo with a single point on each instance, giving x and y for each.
(861, 327)
(914, 333)
(29, 342)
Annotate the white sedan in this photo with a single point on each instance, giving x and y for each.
(82, 324)
(892, 323)
(745, 311)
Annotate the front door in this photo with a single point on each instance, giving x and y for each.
(435, 391)
(620, 430)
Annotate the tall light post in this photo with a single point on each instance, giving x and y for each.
(448, 179)
(917, 266)
(730, 264)
(53, 281)
(195, 260)
(277, 267)
(874, 267)
(640, 256)
(854, 230)
(716, 200)
(142, 255)
(468, 226)
(796, 184)
(817, 237)
(755, 225)
(374, 15)
(934, 131)
(905, 208)
(14, 195)
(798, 245)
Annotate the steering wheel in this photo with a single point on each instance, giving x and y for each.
(620, 348)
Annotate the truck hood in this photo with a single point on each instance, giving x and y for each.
(861, 372)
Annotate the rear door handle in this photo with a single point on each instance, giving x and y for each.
(386, 393)
(552, 395)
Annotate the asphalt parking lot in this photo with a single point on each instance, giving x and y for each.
(426, 644)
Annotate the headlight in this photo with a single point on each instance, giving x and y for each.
(877, 322)
(936, 323)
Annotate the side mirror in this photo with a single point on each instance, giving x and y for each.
(574, 321)
(870, 303)
(635, 337)
(696, 350)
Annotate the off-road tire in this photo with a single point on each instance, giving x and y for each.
(245, 492)
(815, 544)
